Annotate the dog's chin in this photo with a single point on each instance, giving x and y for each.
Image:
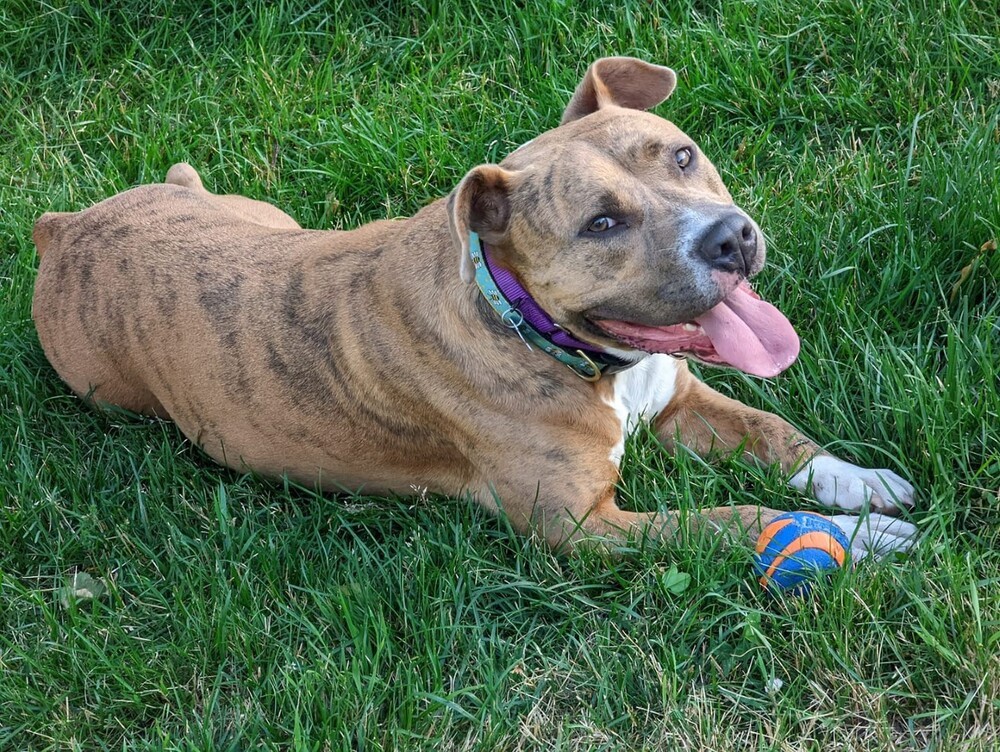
(741, 331)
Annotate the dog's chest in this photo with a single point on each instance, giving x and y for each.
(640, 394)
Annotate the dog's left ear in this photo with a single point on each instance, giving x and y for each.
(480, 204)
(621, 81)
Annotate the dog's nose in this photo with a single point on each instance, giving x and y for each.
(730, 244)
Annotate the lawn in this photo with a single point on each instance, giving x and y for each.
(238, 613)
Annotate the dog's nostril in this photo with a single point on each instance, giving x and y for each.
(728, 248)
(729, 244)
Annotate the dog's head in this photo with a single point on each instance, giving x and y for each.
(622, 230)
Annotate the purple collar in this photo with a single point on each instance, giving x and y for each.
(520, 300)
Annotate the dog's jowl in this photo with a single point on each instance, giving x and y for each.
(498, 344)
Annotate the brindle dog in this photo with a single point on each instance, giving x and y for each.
(366, 359)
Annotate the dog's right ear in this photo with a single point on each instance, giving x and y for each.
(623, 82)
(481, 203)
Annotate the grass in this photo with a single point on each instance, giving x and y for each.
(241, 613)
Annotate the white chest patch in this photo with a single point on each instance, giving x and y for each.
(641, 393)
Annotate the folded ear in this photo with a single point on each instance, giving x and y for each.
(480, 204)
(622, 81)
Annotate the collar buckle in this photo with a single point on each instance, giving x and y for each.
(596, 371)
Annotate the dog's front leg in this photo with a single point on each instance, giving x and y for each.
(570, 520)
(700, 418)
(560, 485)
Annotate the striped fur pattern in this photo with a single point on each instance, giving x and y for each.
(365, 360)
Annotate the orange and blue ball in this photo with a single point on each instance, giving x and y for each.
(797, 548)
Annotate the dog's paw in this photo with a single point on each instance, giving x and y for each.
(840, 484)
(875, 534)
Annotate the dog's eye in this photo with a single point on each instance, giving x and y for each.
(602, 224)
(683, 157)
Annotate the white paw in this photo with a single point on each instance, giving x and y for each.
(840, 484)
(875, 534)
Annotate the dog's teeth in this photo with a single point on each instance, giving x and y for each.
(691, 327)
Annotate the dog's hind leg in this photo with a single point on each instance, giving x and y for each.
(184, 174)
(247, 209)
(71, 326)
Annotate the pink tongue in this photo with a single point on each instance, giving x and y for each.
(750, 334)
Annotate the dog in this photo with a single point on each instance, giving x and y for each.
(500, 344)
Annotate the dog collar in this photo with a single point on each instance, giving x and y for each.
(519, 311)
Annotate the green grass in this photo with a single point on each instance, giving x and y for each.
(242, 614)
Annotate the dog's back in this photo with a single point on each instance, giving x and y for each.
(168, 300)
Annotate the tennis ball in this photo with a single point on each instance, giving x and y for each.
(797, 548)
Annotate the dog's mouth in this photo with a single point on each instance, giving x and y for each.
(742, 331)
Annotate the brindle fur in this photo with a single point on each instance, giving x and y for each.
(364, 359)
